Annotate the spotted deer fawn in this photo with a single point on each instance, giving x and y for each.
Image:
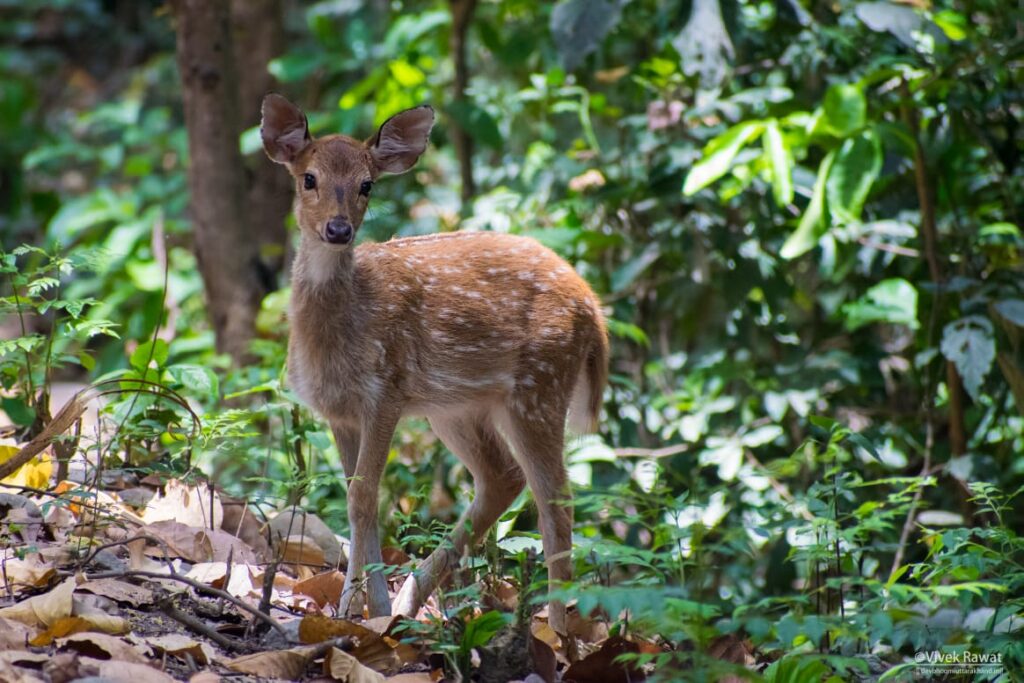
(491, 337)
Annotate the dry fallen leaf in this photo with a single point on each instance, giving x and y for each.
(286, 664)
(28, 573)
(186, 504)
(123, 672)
(239, 520)
(421, 677)
(14, 634)
(13, 674)
(370, 648)
(215, 574)
(119, 591)
(343, 667)
(324, 589)
(45, 609)
(182, 647)
(65, 626)
(301, 552)
(205, 677)
(601, 667)
(102, 646)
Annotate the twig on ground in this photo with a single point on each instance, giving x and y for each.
(198, 626)
(200, 587)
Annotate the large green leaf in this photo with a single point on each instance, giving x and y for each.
(779, 161)
(890, 301)
(718, 155)
(969, 344)
(1012, 310)
(845, 109)
(856, 167)
(812, 225)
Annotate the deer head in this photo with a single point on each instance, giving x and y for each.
(334, 175)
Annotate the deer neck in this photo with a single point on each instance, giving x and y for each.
(319, 269)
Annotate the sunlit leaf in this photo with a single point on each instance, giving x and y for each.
(779, 162)
(856, 167)
(891, 301)
(812, 224)
(719, 154)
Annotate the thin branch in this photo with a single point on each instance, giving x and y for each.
(199, 587)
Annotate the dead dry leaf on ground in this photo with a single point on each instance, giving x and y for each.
(119, 591)
(45, 609)
(601, 667)
(302, 553)
(65, 626)
(214, 574)
(294, 522)
(205, 677)
(286, 664)
(103, 646)
(346, 668)
(239, 520)
(324, 589)
(14, 634)
(369, 647)
(27, 574)
(190, 543)
(191, 505)
(122, 672)
(182, 647)
(421, 677)
(91, 505)
(14, 674)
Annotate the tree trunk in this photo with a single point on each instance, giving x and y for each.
(462, 15)
(228, 255)
(258, 35)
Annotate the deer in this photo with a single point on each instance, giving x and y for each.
(492, 337)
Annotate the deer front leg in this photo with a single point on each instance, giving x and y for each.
(363, 490)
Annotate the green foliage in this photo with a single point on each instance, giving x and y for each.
(776, 458)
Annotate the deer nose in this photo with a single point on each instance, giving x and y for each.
(338, 231)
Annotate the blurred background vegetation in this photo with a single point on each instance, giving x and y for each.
(803, 218)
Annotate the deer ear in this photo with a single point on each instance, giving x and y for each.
(401, 139)
(283, 128)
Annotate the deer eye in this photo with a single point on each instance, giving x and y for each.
(309, 181)
(365, 188)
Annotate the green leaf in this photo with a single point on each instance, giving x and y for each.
(969, 344)
(890, 301)
(149, 351)
(718, 155)
(625, 275)
(779, 162)
(845, 109)
(479, 631)
(18, 410)
(812, 225)
(195, 379)
(480, 125)
(1012, 310)
(855, 170)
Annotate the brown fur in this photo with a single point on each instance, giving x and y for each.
(489, 336)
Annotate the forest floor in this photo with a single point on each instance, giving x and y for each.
(144, 581)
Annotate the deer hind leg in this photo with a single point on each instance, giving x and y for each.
(497, 480)
(537, 434)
